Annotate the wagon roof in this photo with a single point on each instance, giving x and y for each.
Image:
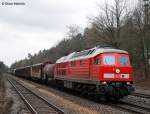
(38, 64)
(88, 54)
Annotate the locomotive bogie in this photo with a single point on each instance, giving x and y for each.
(109, 90)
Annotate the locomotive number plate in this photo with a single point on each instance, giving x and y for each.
(117, 76)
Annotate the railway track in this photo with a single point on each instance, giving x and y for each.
(141, 95)
(127, 106)
(35, 103)
(131, 107)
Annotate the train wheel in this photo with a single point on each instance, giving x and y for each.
(100, 97)
(103, 99)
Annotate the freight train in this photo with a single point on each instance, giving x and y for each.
(103, 71)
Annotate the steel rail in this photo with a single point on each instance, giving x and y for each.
(141, 95)
(23, 98)
(131, 107)
(38, 96)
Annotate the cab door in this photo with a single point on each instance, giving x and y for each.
(95, 67)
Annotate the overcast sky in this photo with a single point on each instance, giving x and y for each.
(39, 24)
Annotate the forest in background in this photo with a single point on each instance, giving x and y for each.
(3, 67)
(116, 25)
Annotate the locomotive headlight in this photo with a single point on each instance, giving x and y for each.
(117, 70)
(128, 83)
(104, 83)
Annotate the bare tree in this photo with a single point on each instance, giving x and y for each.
(73, 31)
(141, 23)
(108, 23)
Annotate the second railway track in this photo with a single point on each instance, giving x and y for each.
(35, 103)
(141, 95)
(132, 107)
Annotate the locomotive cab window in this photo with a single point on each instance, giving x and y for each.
(97, 61)
(123, 60)
(109, 60)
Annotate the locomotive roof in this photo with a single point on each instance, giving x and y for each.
(89, 53)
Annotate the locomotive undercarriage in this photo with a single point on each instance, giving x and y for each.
(109, 91)
(115, 90)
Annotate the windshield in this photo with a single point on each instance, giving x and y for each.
(123, 60)
(109, 60)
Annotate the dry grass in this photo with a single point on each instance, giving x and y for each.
(5, 103)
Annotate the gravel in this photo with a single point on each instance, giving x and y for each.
(69, 103)
(18, 106)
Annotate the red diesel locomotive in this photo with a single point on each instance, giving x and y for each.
(102, 71)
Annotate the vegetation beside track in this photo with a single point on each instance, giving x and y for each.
(3, 67)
